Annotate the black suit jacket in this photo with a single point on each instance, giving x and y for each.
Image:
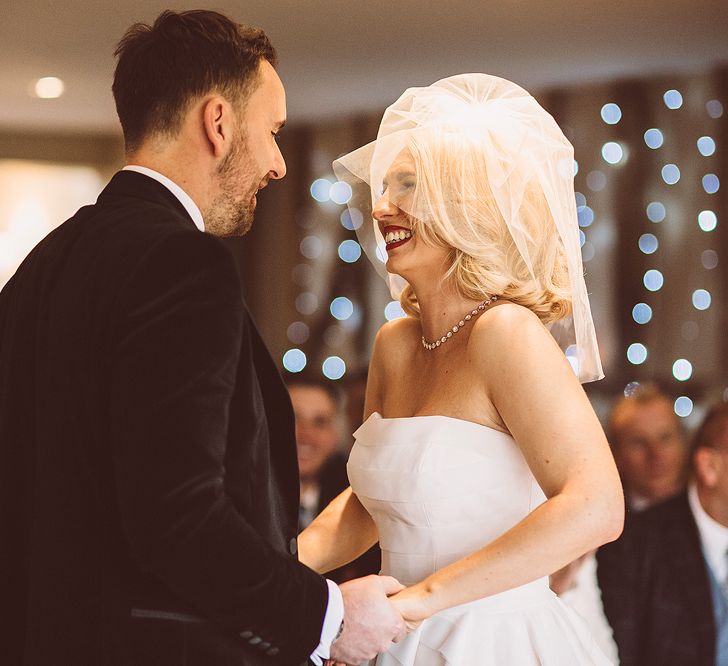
(148, 477)
(656, 590)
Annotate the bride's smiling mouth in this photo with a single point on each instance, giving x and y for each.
(395, 236)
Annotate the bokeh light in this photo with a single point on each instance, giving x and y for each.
(636, 353)
(294, 360)
(673, 99)
(653, 280)
(585, 216)
(714, 108)
(393, 310)
(706, 146)
(351, 219)
(707, 220)
(306, 303)
(311, 247)
(656, 211)
(588, 251)
(612, 152)
(349, 251)
(682, 370)
(49, 87)
(321, 190)
(648, 243)
(596, 181)
(611, 113)
(683, 406)
(298, 332)
(711, 183)
(340, 192)
(701, 299)
(709, 259)
(670, 174)
(334, 367)
(654, 138)
(642, 313)
(341, 308)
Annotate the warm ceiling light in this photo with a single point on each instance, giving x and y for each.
(49, 87)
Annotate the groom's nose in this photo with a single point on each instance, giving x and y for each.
(278, 169)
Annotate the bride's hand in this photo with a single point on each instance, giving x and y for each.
(412, 605)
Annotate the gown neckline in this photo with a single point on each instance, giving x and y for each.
(434, 416)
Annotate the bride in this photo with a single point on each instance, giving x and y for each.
(481, 467)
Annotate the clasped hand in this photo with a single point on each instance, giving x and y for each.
(378, 611)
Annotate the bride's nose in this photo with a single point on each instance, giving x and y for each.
(383, 207)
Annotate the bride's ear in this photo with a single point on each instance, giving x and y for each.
(217, 122)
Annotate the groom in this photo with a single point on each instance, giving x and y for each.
(148, 478)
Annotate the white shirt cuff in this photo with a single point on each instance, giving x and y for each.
(332, 622)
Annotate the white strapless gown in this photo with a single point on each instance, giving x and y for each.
(439, 488)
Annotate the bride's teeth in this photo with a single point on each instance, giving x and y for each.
(396, 236)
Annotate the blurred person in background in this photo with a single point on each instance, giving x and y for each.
(665, 581)
(321, 462)
(649, 445)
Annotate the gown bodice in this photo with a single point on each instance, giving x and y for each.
(439, 488)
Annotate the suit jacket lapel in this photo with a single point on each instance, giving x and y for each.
(281, 421)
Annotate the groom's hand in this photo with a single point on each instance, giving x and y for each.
(371, 622)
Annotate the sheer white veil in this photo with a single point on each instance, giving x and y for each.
(483, 148)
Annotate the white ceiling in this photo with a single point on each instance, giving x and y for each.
(339, 57)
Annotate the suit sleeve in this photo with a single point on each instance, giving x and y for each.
(175, 345)
(618, 573)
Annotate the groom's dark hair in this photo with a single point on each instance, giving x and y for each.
(184, 55)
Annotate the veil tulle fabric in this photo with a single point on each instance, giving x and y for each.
(467, 135)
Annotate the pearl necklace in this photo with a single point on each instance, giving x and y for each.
(434, 345)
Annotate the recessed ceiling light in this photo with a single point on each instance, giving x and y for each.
(49, 87)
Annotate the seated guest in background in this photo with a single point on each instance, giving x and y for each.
(665, 581)
(321, 466)
(321, 463)
(649, 446)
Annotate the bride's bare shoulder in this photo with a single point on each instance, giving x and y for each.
(509, 332)
(395, 340)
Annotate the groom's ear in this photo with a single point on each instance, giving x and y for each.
(217, 121)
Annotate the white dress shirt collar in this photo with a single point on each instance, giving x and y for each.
(713, 536)
(190, 206)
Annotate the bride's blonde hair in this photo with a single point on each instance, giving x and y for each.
(454, 207)
(495, 185)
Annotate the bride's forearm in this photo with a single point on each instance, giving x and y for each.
(343, 531)
(556, 533)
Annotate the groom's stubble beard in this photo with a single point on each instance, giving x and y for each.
(231, 213)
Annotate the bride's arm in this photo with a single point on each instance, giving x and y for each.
(544, 407)
(344, 529)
